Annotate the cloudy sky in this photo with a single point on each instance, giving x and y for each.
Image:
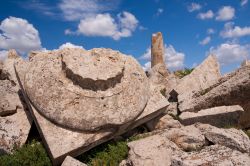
(192, 29)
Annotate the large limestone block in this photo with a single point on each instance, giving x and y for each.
(212, 155)
(61, 141)
(232, 138)
(203, 76)
(60, 83)
(217, 116)
(188, 138)
(70, 161)
(232, 89)
(153, 150)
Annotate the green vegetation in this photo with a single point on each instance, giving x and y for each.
(183, 73)
(32, 154)
(107, 154)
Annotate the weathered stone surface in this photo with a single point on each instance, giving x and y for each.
(172, 109)
(212, 155)
(9, 100)
(232, 89)
(153, 150)
(188, 138)
(70, 161)
(218, 116)
(60, 141)
(163, 122)
(203, 76)
(157, 76)
(8, 66)
(15, 122)
(232, 138)
(59, 83)
(157, 49)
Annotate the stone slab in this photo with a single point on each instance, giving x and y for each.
(218, 116)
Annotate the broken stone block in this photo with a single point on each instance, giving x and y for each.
(232, 138)
(203, 76)
(218, 116)
(232, 89)
(245, 63)
(59, 86)
(212, 155)
(188, 138)
(70, 161)
(60, 140)
(15, 122)
(153, 150)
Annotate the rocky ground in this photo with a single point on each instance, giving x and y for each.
(100, 108)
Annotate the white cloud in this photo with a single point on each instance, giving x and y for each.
(205, 41)
(173, 59)
(194, 7)
(231, 31)
(69, 45)
(225, 13)
(19, 34)
(78, 9)
(106, 26)
(159, 11)
(210, 31)
(230, 53)
(3, 55)
(207, 15)
(243, 2)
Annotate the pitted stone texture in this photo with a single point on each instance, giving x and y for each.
(188, 138)
(232, 89)
(153, 150)
(68, 88)
(232, 138)
(215, 155)
(217, 116)
(61, 142)
(203, 76)
(70, 161)
(15, 122)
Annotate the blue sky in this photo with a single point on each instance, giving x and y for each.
(191, 29)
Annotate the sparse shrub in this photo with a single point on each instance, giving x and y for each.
(107, 154)
(32, 154)
(183, 73)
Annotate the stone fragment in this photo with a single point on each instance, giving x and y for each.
(153, 150)
(212, 155)
(70, 161)
(172, 109)
(232, 138)
(217, 116)
(188, 138)
(203, 76)
(59, 83)
(157, 76)
(161, 122)
(232, 89)
(157, 49)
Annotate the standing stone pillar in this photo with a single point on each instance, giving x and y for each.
(157, 49)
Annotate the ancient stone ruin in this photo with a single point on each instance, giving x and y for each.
(79, 99)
